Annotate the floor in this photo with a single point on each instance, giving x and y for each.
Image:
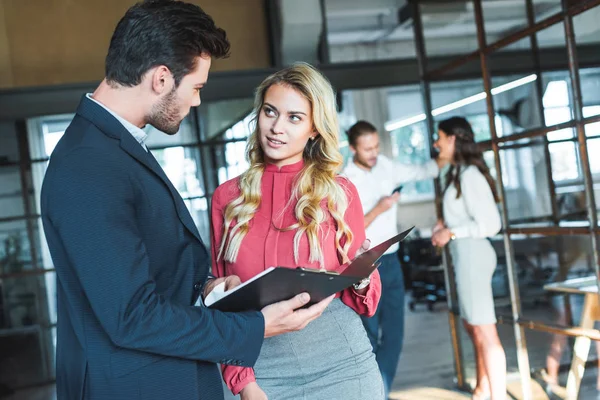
(426, 369)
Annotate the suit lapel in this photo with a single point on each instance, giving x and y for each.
(113, 128)
(133, 148)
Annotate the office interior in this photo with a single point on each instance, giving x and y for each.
(525, 73)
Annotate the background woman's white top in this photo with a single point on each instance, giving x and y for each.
(475, 213)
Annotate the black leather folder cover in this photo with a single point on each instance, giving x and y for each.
(284, 283)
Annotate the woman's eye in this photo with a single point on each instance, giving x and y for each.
(269, 112)
(295, 118)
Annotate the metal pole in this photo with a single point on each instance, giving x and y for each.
(210, 182)
(522, 355)
(539, 89)
(274, 27)
(571, 332)
(540, 131)
(453, 313)
(324, 41)
(549, 230)
(576, 8)
(581, 138)
(41, 301)
(540, 109)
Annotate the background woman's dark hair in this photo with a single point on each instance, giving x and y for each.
(162, 32)
(466, 152)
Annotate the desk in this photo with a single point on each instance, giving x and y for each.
(591, 312)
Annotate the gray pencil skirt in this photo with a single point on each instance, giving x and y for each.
(474, 264)
(331, 358)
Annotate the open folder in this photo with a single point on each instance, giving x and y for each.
(281, 283)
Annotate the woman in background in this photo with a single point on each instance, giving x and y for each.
(291, 209)
(471, 216)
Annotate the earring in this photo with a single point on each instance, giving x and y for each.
(312, 138)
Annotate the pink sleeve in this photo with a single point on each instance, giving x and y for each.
(363, 304)
(236, 378)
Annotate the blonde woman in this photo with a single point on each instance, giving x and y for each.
(290, 209)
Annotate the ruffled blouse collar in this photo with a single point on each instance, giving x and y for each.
(290, 168)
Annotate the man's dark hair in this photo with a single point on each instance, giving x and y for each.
(162, 32)
(358, 129)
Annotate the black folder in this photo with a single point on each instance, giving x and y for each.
(280, 283)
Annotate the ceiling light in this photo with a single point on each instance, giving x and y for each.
(393, 125)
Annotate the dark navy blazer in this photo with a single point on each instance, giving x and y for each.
(129, 263)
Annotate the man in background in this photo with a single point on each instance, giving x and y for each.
(375, 177)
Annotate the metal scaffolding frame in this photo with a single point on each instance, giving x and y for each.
(538, 137)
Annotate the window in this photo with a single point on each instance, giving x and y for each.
(347, 118)
(179, 158)
(565, 155)
(412, 147)
(410, 141)
(235, 150)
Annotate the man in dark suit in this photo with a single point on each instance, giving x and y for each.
(130, 263)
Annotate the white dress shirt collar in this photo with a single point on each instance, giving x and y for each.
(139, 135)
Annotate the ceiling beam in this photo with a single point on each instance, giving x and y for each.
(31, 102)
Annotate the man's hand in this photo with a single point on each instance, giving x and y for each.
(285, 316)
(231, 281)
(386, 202)
(252, 392)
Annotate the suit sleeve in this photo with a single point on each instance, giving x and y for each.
(363, 304)
(236, 378)
(92, 208)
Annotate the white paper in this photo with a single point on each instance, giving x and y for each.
(219, 291)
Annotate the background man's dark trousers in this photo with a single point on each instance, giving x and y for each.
(386, 328)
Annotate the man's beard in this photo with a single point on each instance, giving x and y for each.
(364, 163)
(165, 115)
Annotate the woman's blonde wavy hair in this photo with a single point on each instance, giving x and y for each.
(315, 182)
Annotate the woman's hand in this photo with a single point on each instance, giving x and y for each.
(441, 237)
(364, 247)
(252, 392)
(364, 290)
(439, 226)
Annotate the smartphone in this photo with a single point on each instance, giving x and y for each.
(398, 189)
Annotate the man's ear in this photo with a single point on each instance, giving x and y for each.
(162, 80)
